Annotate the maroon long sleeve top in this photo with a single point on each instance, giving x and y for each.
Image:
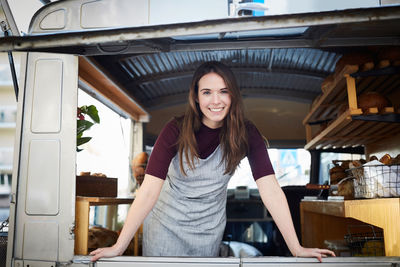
(208, 140)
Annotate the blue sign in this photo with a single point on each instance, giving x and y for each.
(288, 157)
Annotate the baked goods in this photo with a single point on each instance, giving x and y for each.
(353, 59)
(386, 159)
(346, 189)
(372, 158)
(99, 237)
(396, 160)
(345, 164)
(99, 174)
(336, 174)
(372, 100)
(140, 159)
(138, 166)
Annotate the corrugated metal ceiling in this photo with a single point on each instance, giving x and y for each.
(162, 79)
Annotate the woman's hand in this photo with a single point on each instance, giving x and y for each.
(314, 253)
(105, 253)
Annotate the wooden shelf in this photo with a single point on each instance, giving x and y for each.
(82, 208)
(353, 127)
(348, 132)
(322, 220)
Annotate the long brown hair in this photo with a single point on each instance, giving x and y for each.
(233, 133)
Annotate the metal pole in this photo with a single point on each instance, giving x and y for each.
(11, 60)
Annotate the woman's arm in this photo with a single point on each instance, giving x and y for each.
(275, 201)
(145, 200)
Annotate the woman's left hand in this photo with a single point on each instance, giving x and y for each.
(314, 253)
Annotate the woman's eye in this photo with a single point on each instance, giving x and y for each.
(206, 92)
(225, 92)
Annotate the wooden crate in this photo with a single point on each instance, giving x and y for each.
(94, 186)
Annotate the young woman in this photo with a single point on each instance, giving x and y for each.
(183, 197)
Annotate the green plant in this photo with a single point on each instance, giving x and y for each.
(83, 124)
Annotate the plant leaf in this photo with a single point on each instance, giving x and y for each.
(82, 140)
(82, 125)
(93, 113)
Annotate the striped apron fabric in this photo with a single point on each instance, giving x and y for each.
(189, 217)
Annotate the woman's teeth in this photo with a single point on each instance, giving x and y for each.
(216, 109)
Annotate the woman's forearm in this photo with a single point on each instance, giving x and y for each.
(275, 201)
(145, 200)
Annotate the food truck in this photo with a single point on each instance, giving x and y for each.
(138, 59)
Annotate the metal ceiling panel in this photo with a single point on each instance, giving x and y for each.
(275, 72)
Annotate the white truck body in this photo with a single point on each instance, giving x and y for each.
(42, 211)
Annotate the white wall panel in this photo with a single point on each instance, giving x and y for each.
(126, 13)
(55, 20)
(47, 91)
(42, 194)
(41, 241)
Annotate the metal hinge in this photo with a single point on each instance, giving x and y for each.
(12, 198)
(72, 231)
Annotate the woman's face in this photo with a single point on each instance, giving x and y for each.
(214, 99)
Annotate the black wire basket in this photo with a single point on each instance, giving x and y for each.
(376, 181)
(366, 241)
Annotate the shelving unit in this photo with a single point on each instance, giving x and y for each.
(324, 220)
(353, 127)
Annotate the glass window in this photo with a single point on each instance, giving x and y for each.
(292, 167)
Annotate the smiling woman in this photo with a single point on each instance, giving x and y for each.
(191, 164)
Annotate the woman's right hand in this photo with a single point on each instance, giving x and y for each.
(105, 253)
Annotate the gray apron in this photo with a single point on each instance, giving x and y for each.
(189, 217)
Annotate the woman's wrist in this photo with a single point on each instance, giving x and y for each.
(120, 248)
(296, 250)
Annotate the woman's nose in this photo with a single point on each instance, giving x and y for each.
(215, 98)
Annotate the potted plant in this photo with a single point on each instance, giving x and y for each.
(83, 124)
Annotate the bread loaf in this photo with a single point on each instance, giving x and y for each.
(99, 237)
(140, 159)
(345, 164)
(353, 59)
(139, 166)
(336, 174)
(372, 158)
(372, 100)
(346, 189)
(396, 160)
(386, 159)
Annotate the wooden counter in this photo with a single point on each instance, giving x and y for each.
(82, 208)
(328, 220)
